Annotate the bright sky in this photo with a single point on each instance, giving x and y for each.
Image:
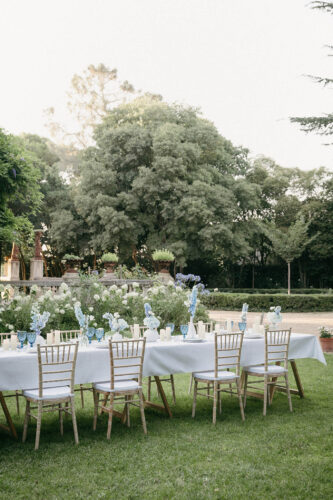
(240, 61)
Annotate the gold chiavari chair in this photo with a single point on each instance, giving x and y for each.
(228, 348)
(56, 372)
(276, 351)
(68, 336)
(209, 328)
(17, 394)
(126, 363)
(169, 379)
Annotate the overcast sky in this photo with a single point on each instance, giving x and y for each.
(240, 61)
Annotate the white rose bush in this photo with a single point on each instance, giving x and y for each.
(95, 299)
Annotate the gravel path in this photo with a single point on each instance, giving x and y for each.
(299, 322)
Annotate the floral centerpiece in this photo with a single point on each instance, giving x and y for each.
(38, 321)
(116, 324)
(83, 320)
(245, 309)
(274, 316)
(192, 303)
(151, 322)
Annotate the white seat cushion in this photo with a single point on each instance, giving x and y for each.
(211, 375)
(50, 393)
(272, 369)
(125, 385)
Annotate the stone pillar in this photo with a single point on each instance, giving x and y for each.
(13, 269)
(36, 264)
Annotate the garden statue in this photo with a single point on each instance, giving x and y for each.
(36, 264)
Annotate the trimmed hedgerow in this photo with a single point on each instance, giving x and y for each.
(297, 291)
(262, 302)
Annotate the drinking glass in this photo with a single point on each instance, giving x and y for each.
(184, 330)
(242, 326)
(99, 334)
(31, 338)
(21, 336)
(171, 326)
(90, 333)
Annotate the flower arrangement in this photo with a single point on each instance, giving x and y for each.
(193, 301)
(186, 280)
(245, 308)
(274, 316)
(109, 257)
(150, 320)
(163, 254)
(82, 319)
(116, 323)
(325, 333)
(38, 320)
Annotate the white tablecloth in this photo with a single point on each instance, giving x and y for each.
(19, 370)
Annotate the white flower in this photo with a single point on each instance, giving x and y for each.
(113, 288)
(170, 283)
(95, 324)
(135, 284)
(96, 297)
(34, 288)
(105, 293)
(178, 289)
(104, 299)
(18, 308)
(216, 289)
(91, 317)
(116, 315)
(118, 291)
(18, 298)
(57, 310)
(124, 302)
(63, 287)
(67, 306)
(96, 285)
(91, 309)
(11, 327)
(62, 311)
(154, 291)
(124, 287)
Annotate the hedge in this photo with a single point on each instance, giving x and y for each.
(262, 302)
(297, 291)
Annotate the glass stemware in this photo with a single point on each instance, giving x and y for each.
(99, 334)
(90, 333)
(171, 326)
(242, 326)
(31, 338)
(21, 337)
(184, 330)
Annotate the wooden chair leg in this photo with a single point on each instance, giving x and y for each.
(149, 389)
(219, 400)
(39, 424)
(128, 398)
(17, 402)
(104, 402)
(191, 383)
(265, 395)
(245, 388)
(96, 401)
(215, 402)
(76, 435)
(239, 392)
(173, 389)
(26, 421)
(61, 420)
(108, 434)
(194, 398)
(288, 392)
(82, 395)
(142, 412)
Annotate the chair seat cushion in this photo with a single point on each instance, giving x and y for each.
(124, 385)
(211, 375)
(272, 369)
(48, 394)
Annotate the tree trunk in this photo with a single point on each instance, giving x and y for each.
(288, 262)
(94, 264)
(134, 255)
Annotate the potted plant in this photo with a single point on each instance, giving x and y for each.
(326, 339)
(110, 260)
(163, 259)
(72, 262)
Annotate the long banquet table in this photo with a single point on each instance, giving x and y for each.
(19, 369)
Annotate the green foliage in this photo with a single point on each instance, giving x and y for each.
(270, 291)
(163, 255)
(325, 333)
(69, 256)
(262, 302)
(109, 257)
(290, 244)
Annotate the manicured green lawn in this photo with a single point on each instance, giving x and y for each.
(281, 456)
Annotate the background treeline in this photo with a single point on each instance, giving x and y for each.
(141, 174)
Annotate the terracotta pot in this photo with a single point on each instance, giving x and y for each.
(163, 266)
(72, 265)
(326, 344)
(109, 266)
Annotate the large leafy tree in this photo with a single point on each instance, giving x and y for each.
(160, 175)
(322, 125)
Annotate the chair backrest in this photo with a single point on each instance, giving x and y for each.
(142, 329)
(228, 349)
(66, 335)
(4, 336)
(277, 346)
(56, 365)
(126, 360)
